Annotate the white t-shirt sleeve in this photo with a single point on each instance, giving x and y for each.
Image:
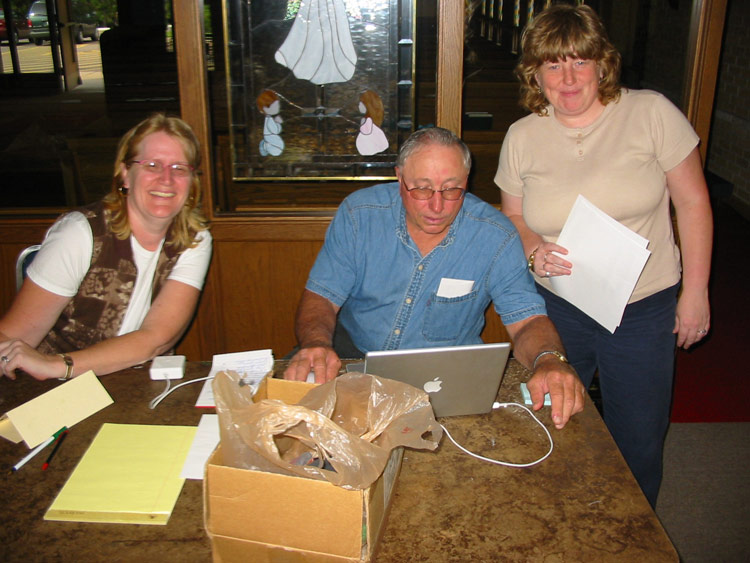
(65, 256)
(192, 265)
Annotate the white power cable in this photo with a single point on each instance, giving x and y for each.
(168, 389)
(507, 463)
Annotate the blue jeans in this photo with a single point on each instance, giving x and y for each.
(636, 370)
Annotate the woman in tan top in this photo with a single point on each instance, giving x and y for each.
(631, 153)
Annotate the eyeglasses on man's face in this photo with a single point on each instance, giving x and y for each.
(156, 167)
(424, 193)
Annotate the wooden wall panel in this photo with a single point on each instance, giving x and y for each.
(261, 283)
(257, 275)
(8, 255)
(15, 235)
(494, 330)
(203, 337)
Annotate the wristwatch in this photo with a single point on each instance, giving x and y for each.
(68, 367)
(555, 353)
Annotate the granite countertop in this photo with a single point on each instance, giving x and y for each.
(580, 504)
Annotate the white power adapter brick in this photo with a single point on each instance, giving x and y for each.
(167, 367)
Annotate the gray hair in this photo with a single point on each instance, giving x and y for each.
(432, 135)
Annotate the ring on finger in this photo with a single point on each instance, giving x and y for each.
(5, 359)
(702, 331)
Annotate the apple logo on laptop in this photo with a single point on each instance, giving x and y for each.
(433, 386)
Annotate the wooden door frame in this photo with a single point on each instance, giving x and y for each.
(450, 65)
(704, 49)
(68, 48)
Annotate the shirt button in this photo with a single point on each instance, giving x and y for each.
(420, 267)
(397, 332)
(408, 300)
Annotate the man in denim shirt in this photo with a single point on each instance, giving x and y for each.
(405, 267)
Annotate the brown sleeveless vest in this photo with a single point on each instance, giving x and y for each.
(95, 313)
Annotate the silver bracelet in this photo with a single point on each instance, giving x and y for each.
(555, 353)
(68, 367)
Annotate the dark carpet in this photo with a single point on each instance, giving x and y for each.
(704, 502)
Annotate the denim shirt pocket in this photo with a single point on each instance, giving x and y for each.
(445, 317)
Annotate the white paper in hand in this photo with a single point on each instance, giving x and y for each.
(607, 259)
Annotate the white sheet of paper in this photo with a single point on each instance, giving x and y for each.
(450, 287)
(204, 443)
(607, 259)
(252, 365)
(206, 397)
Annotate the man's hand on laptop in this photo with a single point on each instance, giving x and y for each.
(566, 391)
(319, 359)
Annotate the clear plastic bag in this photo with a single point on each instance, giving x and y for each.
(342, 431)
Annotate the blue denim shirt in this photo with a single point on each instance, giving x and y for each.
(388, 292)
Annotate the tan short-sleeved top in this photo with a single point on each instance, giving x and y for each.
(619, 163)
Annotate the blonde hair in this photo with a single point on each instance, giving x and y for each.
(374, 106)
(563, 31)
(190, 219)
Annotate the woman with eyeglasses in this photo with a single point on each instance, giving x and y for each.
(116, 283)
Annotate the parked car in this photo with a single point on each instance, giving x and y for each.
(22, 27)
(84, 24)
(39, 23)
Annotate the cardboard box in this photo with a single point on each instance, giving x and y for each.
(257, 516)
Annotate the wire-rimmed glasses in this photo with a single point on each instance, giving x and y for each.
(449, 194)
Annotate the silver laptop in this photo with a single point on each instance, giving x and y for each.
(458, 379)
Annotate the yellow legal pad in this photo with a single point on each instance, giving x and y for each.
(129, 475)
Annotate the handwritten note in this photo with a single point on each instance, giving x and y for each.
(253, 366)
